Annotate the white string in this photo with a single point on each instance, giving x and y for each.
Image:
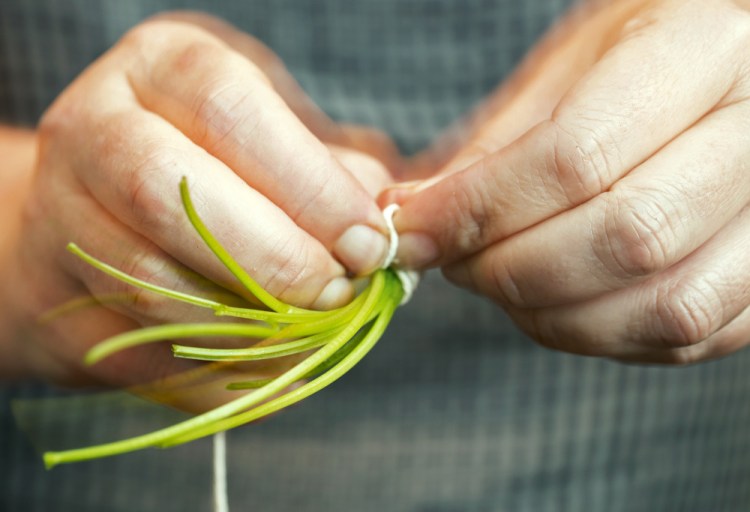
(409, 278)
(221, 497)
(409, 281)
(388, 214)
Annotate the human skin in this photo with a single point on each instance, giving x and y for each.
(598, 197)
(287, 190)
(602, 198)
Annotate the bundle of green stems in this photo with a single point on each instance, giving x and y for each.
(326, 343)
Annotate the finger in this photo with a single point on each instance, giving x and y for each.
(56, 347)
(371, 173)
(680, 308)
(612, 120)
(71, 322)
(272, 67)
(237, 117)
(375, 143)
(82, 329)
(728, 340)
(74, 306)
(59, 204)
(366, 139)
(648, 221)
(132, 162)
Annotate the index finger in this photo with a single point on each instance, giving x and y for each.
(623, 111)
(224, 104)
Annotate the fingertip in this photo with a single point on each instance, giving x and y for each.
(416, 250)
(361, 249)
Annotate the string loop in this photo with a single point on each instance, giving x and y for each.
(409, 278)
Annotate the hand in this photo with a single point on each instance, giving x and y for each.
(612, 218)
(186, 96)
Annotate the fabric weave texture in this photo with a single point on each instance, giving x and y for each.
(455, 410)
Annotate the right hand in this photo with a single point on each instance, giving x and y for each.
(185, 95)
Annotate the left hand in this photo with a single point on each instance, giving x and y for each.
(183, 94)
(617, 225)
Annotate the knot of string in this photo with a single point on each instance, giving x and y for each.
(409, 281)
(409, 278)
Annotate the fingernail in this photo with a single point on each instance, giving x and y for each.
(416, 250)
(361, 249)
(336, 293)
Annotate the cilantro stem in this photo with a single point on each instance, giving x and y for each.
(160, 437)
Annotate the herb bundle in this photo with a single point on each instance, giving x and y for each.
(335, 340)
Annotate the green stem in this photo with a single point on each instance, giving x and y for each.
(294, 396)
(164, 332)
(322, 368)
(254, 353)
(122, 276)
(230, 263)
(219, 308)
(234, 407)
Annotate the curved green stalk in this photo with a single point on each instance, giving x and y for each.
(300, 393)
(253, 353)
(219, 308)
(221, 253)
(339, 338)
(184, 428)
(165, 332)
(122, 276)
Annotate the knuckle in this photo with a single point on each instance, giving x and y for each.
(538, 327)
(558, 334)
(505, 287)
(315, 187)
(581, 161)
(546, 339)
(57, 124)
(148, 268)
(144, 193)
(475, 206)
(638, 236)
(288, 267)
(686, 314)
(223, 111)
(533, 325)
(223, 79)
(52, 123)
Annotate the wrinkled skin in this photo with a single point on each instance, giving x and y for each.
(602, 198)
(599, 196)
(287, 190)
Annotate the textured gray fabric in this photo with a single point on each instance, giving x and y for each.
(455, 410)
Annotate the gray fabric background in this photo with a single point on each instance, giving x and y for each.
(454, 410)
